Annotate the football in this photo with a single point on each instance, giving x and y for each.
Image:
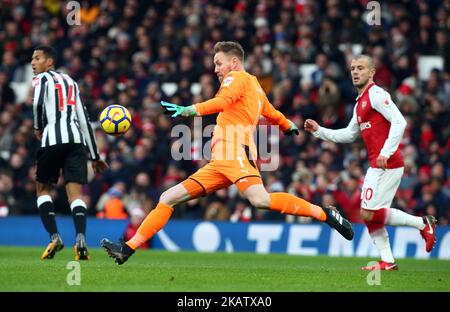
(115, 120)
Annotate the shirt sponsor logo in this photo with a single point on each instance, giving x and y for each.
(227, 81)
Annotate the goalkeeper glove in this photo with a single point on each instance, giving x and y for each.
(185, 111)
(292, 129)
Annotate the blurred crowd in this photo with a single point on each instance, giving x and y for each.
(130, 52)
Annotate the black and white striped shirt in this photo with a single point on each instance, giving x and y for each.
(59, 113)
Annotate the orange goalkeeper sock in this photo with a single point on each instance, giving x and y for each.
(290, 204)
(154, 222)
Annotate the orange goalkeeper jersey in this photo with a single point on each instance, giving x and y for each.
(240, 102)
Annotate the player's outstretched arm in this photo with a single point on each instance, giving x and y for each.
(275, 117)
(344, 135)
(311, 125)
(177, 110)
(293, 129)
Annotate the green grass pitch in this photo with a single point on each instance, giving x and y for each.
(162, 271)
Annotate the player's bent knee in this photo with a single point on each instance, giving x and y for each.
(257, 196)
(366, 214)
(166, 198)
(259, 201)
(175, 195)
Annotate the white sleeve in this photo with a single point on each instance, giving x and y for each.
(39, 87)
(345, 135)
(381, 102)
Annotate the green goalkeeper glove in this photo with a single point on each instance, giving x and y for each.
(185, 111)
(292, 129)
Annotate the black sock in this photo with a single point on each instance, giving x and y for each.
(127, 249)
(47, 212)
(79, 218)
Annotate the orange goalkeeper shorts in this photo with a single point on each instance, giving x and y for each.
(219, 174)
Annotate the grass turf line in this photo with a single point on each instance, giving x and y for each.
(162, 271)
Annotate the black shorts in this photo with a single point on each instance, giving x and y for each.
(70, 157)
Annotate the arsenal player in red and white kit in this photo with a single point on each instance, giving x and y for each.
(377, 119)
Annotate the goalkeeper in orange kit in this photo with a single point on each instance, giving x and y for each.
(240, 102)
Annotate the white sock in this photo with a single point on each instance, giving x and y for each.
(398, 217)
(381, 241)
(76, 203)
(42, 199)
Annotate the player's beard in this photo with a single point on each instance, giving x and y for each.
(361, 83)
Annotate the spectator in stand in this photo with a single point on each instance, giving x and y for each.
(126, 54)
(111, 205)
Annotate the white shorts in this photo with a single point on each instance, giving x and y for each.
(379, 188)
